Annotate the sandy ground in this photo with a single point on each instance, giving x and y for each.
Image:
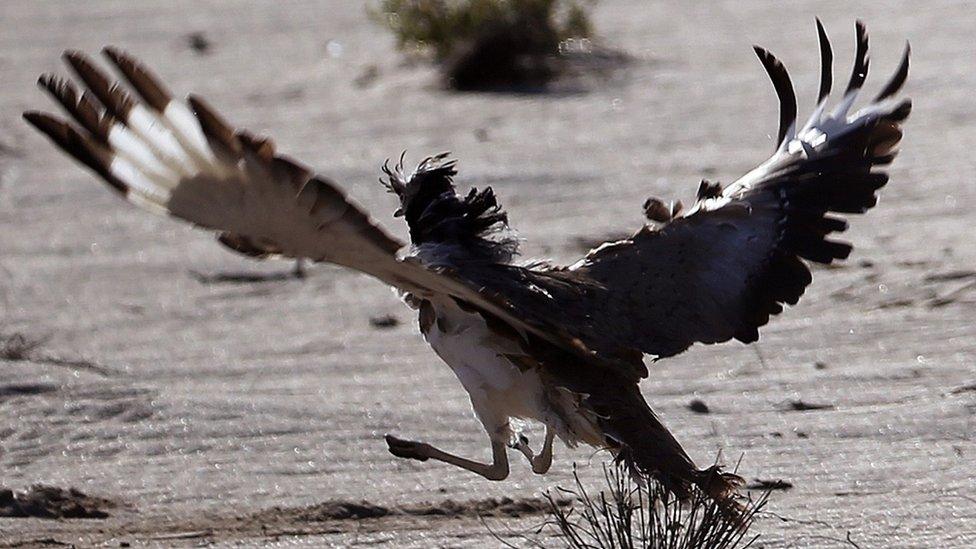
(213, 403)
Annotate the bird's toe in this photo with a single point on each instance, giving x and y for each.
(407, 449)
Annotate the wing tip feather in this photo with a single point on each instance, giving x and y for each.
(79, 106)
(149, 88)
(116, 100)
(898, 79)
(859, 72)
(783, 85)
(76, 145)
(826, 62)
(214, 126)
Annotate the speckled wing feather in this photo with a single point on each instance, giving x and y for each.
(183, 160)
(719, 271)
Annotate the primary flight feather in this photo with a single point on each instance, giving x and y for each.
(563, 346)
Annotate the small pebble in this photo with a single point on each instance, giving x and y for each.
(762, 484)
(198, 42)
(385, 321)
(698, 406)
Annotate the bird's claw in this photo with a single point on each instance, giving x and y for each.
(407, 449)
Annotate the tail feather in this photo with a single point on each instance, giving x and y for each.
(642, 442)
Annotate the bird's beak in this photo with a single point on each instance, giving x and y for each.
(398, 212)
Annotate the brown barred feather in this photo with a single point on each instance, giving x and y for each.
(82, 148)
(150, 89)
(113, 97)
(82, 107)
(220, 134)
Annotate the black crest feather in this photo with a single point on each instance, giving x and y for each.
(435, 213)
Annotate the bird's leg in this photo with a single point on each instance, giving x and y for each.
(522, 445)
(299, 270)
(540, 463)
(421, 451)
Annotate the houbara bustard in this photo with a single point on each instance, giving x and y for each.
(560, 345)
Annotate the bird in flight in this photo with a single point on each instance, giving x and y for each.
(560, 345)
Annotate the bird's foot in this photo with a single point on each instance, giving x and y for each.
(407, 449)
(541, 463)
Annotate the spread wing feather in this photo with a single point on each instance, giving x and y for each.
(714, 273)
(165, 157)
(719, 271)
(184, 160)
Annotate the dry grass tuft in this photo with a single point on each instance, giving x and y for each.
(17, 347)
(627, 514)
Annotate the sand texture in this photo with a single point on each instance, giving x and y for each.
(205, 409)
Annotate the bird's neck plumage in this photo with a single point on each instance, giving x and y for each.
(473, 226)
(470, 227)
(445, 224)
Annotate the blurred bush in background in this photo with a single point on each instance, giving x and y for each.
(488, 44)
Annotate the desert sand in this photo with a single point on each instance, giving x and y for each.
(215, 411)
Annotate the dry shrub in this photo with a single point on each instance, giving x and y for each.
(641, 514)
(488, 44)
(16, 346)
(51, 502)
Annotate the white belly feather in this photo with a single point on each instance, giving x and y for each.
(499, 390)
(503, 395)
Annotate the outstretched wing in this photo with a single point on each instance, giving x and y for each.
(719, 271)
(184, 160)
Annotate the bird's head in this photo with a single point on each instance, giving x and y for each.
(432, 178)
